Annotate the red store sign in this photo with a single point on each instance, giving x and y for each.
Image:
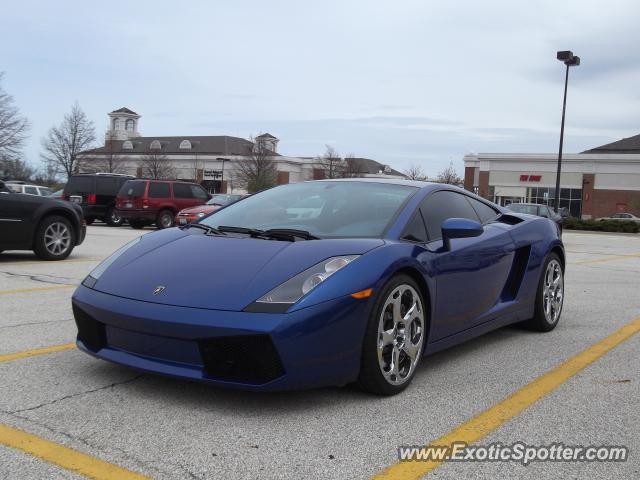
(530, 178)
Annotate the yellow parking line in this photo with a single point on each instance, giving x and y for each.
(67, 458)
(491, 419)
(37, 289)
(38, 351)
(606, 259)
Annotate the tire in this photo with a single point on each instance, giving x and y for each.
(113, 219)
(55, 238)
(137, 224)
(550, 296)
(387, 333)
(164, 219)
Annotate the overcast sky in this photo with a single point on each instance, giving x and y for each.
(402, 82)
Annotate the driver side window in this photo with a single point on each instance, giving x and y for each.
(442, 205)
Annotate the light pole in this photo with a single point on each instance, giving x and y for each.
(570, 60)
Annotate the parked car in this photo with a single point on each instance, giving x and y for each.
(385, 272)
(539, 211)
(49, 227)
(621, 216)
(216, 202)
(96, 194)
(28, 189)
(146, 202)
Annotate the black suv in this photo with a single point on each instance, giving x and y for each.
(96, 193)
(48, 226)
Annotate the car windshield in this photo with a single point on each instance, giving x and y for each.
(521, 208)
(223, 199)
(324, 209)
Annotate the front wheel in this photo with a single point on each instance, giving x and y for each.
(394, 338)
(54, 238)
(113, 218)
(550, 296)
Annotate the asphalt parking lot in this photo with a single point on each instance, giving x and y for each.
(164, 428)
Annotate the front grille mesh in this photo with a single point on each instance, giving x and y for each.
(90, 332)
(245, 358)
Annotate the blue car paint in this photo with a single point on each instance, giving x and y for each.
(319, 339)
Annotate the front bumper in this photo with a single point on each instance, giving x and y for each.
(82, 233)
(315, 346)
(183, 219)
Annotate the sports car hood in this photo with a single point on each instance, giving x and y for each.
(222, 273)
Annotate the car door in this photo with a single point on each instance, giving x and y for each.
(16, 212)
(472, 274)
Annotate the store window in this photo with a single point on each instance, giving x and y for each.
(570, 198)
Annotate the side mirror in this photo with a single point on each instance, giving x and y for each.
(459, 228)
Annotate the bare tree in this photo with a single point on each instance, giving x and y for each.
(415, 172)
(449, 176)
(13, 128)
(16, 169)
(64, 145)
(111, 161)
(155, 165)
(330, 163)
(259, 170)
(352, 167)
(196, 165)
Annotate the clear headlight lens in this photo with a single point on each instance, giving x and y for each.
(296, 287)
(95, 274)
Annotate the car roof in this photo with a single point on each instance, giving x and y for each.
(394, 181)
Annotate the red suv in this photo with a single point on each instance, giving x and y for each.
(144, 202)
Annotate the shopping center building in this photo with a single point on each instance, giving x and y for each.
(595, 183)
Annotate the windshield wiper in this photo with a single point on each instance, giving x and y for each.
(254, 232)
(208, 230)
(288, 233)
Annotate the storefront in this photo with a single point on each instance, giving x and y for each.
(594, 184)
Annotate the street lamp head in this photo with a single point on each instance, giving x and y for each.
(564, 55)
(574, 62)
(568, 58)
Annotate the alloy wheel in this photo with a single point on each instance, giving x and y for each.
(57, 238)
(553, 291)
(400, 334)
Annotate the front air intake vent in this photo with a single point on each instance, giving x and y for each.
(90, 332)
(245, 358)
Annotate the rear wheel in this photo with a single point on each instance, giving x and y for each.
(54, 238)
(113, 218)
(550, 296)
(394, 338)
(164, 219)
(89, 220)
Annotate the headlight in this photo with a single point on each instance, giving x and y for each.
(200, 215)
(295, 288)
(95, 274)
